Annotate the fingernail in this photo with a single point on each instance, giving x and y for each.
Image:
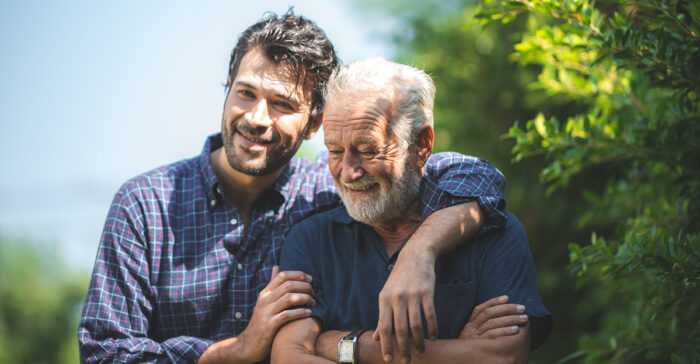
(308, 312)
(513, 328)
(523, 317)
(309, 278)
(520, 308)
(502, 298)
(387, 358)
(313, 303)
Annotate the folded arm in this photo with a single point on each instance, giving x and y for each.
(497, 332)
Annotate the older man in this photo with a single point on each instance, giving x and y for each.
(378, 130)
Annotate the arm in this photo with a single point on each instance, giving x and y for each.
(286, 289)
(115, 320)
(493, 334)
(410, 287)
(115, 316)
(295, 341)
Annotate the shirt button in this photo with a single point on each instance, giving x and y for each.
(234, 221)
(239, 266)
(212, 203)
(389, 268)
(238, 315)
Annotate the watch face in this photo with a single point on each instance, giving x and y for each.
(345, 351)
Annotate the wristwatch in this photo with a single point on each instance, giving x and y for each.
(347, 347)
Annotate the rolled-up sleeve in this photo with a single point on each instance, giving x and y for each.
(453, 178)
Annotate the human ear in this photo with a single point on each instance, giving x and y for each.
(315, 124)
(424, 145)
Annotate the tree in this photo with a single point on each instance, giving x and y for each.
(634, 69)
(39, 306)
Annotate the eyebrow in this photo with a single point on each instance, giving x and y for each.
(289, 98)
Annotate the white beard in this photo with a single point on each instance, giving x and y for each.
(382, 206)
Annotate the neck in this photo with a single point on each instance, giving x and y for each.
(394, 232)
(242, 188)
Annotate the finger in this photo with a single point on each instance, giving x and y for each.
(289, 275)
(416, 324)
(501, 331)
(504, 321)
(275, 272)
(383, 331)
(289, 315)
(291, 287)
(292, 299)
(490, 303)
(498, 311)
(430, 317)
(401, 330)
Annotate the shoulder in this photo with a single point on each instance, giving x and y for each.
(511, 240)
(449, 158)
(161, 179)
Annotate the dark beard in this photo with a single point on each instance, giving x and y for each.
(274, 159)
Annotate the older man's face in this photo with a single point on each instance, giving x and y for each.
(377, 181)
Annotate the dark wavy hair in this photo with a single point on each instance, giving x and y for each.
(296, 42)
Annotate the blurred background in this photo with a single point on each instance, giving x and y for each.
(94, 93)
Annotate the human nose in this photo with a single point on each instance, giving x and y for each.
(351, 167)
(259, 116)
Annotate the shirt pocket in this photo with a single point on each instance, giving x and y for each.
(454, 303)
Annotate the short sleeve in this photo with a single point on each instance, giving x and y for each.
(298, 254)
(506, 267)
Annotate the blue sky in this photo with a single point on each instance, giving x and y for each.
(95, 92)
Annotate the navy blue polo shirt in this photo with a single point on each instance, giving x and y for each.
(349, 266)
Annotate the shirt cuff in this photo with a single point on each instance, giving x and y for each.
(186, 349)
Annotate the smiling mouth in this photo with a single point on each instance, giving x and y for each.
(250, 141)
(360, 188)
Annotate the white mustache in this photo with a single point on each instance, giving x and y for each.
(362, 183)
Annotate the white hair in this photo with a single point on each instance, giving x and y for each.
(411, 91)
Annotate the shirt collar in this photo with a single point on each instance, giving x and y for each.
(275, 193)
(340, 214)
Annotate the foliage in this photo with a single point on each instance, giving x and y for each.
(634, 69)
(39, 306)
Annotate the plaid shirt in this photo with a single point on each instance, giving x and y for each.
(176, 270)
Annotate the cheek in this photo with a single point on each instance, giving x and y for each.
(291, 126)
(334, 167)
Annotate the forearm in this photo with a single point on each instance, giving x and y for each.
(231, 350)
(445, 229)
(505, 349)
(295, 342)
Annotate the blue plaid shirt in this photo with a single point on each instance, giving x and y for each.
(176, 270)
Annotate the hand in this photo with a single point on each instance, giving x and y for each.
(408, 292)
(286, 289)
(495, 318)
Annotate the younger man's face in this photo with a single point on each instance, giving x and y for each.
(266, 116)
